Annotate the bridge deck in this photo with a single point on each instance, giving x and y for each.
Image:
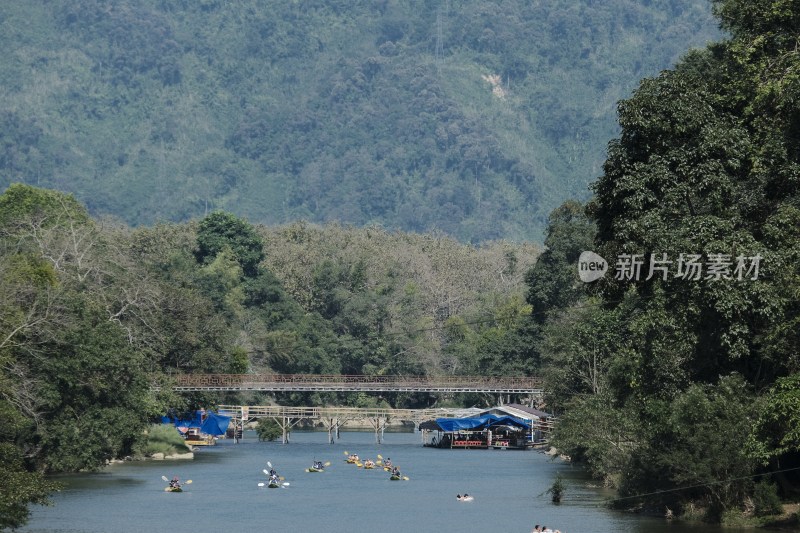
(343, 413)
(355, 383)
(338, 416)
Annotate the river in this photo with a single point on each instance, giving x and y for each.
(508, 489)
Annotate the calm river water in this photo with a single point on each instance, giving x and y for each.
(224, 496)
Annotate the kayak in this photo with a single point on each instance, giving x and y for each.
(312, 469)
(173, 489)
(395, 478)
(273, 485)
(369, 467)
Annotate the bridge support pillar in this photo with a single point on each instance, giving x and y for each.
(332, 425)
(286, 425)
(379, 425)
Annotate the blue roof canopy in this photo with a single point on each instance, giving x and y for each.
(478, 423)
(213, 424)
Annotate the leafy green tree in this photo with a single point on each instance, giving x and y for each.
(91, 404)
(221, 230)
(705, 164)
(598, 434)
(66, 404)
(776, 431)
(42, 208)
(553, 283)
(19, 487)
(557, 489)
(268, 430)
(766, 499)
(697, 446)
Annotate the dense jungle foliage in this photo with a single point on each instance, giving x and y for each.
(471, 117)
(683, 391)
(92, 313)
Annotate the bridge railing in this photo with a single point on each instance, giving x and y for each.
(260, 411)
(344, 414)
(354, 382)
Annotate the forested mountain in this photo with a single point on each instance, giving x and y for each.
(471, 117)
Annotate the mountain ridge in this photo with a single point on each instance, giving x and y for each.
(360, 113)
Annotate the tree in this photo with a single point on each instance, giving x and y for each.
(706, 164)
(221, 230)
(268, 430)
(553, 283)
(19, 487)
(776, 431)
(697, 447)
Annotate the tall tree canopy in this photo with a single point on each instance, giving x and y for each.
(698, 214)
(220, 231)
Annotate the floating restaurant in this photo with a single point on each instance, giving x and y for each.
(511, 427)
(202, 429)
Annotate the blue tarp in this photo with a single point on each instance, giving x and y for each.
(213, 424)
(479, 423)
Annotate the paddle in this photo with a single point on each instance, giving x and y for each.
(326, 464)
(267, 473)
(187, 482)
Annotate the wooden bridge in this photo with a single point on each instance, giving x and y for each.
(531, 386)
(333, 418)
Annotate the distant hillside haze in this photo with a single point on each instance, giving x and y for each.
(471, 118)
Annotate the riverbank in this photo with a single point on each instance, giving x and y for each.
(694, 513)
(788, 520)
(158, 456)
